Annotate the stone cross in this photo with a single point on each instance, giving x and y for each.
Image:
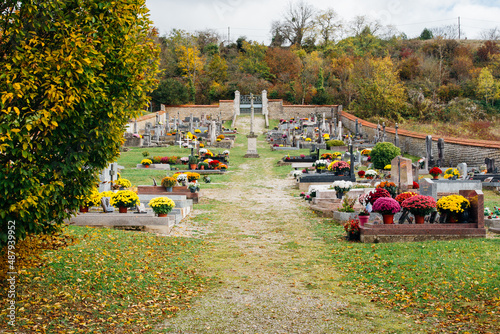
(157, 118)
(167, 123)
(252, 114)
(428, 146)
(340, 130)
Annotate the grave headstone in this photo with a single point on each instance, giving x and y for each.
(428, 188)
(357, 128)
(402, 172)
(340, 130)
(396, 136)
(462, 169)
(135, 126)
(383, 134)
(428, 152)
(490, 165)
(167, 123)
(440, 152)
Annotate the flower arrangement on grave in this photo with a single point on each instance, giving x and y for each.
(165, 160)
(94, 199)
(415, 185)
(377, 193)
(342, 186)
(222, 166)
(189, 135)
(161, 205)
(168, 181)
(191, 176)
(192, 160)
(308, 139)
(404, 196)
(386, 206)
(348, 204)
(420, 205)
(435, 172)
(184, 160)
(451, 173)
(389, 186)
(197, 131)
(202, 145)
(302, 194)
(124, 198)
(387, 167)
(214, 163)
(203, 151)
(361, 173)
(302, 156)
(370, 174)
(180, 177)
(203, 165)
(326, 136)
(327, 156)
(225, 152)
(207, 179)
(495, 213)
(156, 160)
(221, 137)
(146, 162)
(352, 229)
(194, 186)
(340, 167)
(123, 183)
(366, 152)
(320, 164)
(367, 207)
(452, 204)
(145, 154)
(296, 173)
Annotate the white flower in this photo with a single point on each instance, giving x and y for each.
(181, 177)
(225, 152)
(203, 150)
(371, 172)
(296, 173)
(342, 185)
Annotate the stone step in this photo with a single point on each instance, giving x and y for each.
(494, 230)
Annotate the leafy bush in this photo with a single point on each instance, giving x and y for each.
(383, 153)
(334, 142)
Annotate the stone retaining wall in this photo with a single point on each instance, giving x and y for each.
(456, 150)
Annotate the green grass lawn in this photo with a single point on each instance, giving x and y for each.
(109, 280)
(454, 284)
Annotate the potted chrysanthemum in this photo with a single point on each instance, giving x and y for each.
(420, 206)
(124, 199)
(453, 209)
(435, 172)
(168, 182)
(162, 205)
(146, 162)
(387, 207)
(341, 187)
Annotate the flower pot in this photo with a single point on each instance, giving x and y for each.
(419, 219)
(122, 209)
(363, 220)
(353, 236)
(84, 209)
(388, 219)
(169, 189)
(369, 177)
(435, 177)
(192, 166)
(202, 167)
(192, 190)
(146, 166)
(162, 214)
(339, 194)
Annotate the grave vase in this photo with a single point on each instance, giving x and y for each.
(122, 209)
(388, 218)
(169, 189)
(353, 236)
(419, 219)
(84, 209)
(146, 166)
(339, 194)
(435, 177)
(363, 220)
(162, 214)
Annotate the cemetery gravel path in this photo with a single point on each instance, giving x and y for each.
(272, 271)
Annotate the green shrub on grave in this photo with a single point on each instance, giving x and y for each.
(383, 153)
(334, 142)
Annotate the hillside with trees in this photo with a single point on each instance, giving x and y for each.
(316, 58)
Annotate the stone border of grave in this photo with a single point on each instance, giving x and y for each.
(419, 232)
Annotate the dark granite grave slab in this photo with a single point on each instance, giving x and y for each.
(327, 177)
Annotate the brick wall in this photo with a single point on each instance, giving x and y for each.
(456, 150)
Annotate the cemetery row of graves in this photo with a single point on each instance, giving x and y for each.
(380, 195)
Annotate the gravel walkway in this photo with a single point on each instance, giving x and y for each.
(273, 278)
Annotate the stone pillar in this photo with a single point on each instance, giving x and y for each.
(135, 126)
(428, 151)
(396, 137)
(251, 113)
(236, 103)
(265, 103)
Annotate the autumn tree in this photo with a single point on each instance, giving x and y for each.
(487, 87)
(190, 63)
(328, 24)
(72, 74)
(379, 90)
(284, 64)
(252, 60)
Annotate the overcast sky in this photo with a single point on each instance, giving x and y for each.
(252, 18)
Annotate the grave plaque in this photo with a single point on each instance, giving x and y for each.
(428, 188)
(440, 152)
(462, 169)
(490, 165)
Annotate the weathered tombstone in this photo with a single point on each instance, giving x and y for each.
(340, 130)
(490, 165)
(428, 188)
(360, 130)
(402, 172)
(167, 123)
(212, 130)
(135, 126)
(377, 134)
(383, 133)
(108, 175)
(357, 128)
(428, 151)
(440, 152)
(462, 169)
(191, 123)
